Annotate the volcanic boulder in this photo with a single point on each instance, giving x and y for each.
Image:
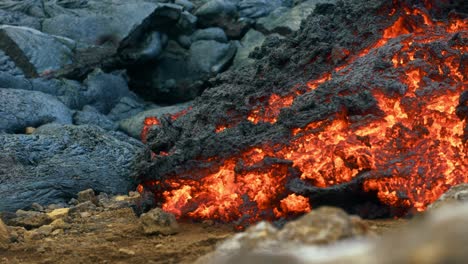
(56, 161)
(157, 221)
(20, 44)
(21, 109)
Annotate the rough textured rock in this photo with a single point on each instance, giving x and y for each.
(4, 236)
(58, 213)
(147, 50)
(157, 221)
(20, 44)
(214, 10)
(134, 125)
(249, 42)
(222, 13)
(209, 57)
(7, 65)
(29, 219)
(105, 90)
(91, 116)
(56, 162)
(20, 109)
(213, 33)
(286, 21)
(260, 8)
(455, 195)
(99, 18)
(14, 18)
(87, 195)
(324, 225)
(16, 82)
(125, 108)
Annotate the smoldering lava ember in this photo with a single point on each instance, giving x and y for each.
(386, 114)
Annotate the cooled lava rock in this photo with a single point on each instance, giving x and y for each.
(55, 162)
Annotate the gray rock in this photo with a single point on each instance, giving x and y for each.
(189, 6)
(87, 195)
(20, 44)
(29, 219)
(56, 162)
(20, 109)
(249, 42)
(14, 18)
(71, 93)
(97, 19)
(213, 33)
(4, 236)
(125, 108)
(157, 221)
(105, 90)
(215, 8)
(184, 41)
(260, 8)
(84, 207)
(210, 57)
(7, 65)
(30, 7)
(285, 21)
(134, 125)
(16, 82)
(169, 19)
(147, 50)
(222, 13)
(91, 116)
(179, 74)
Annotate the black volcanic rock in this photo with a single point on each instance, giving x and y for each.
(56, 162)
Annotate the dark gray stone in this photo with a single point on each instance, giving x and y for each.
(16, 82)
(214, 33)
(21, 45)
(56, 162)
(147, 50)
(91, 22)
(105, 90)
(260, 8)
(7, 65)
(20, 109)
(91, 116)
(71, 93)
(125, 108)
(210, 57)
(14, 18)
(189, 6)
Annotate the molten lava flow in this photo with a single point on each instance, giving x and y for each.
(412, 151)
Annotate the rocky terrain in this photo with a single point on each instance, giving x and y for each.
(97, 69)
(83, 84)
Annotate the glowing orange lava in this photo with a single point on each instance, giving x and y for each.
(154, 121)
(413, 152)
